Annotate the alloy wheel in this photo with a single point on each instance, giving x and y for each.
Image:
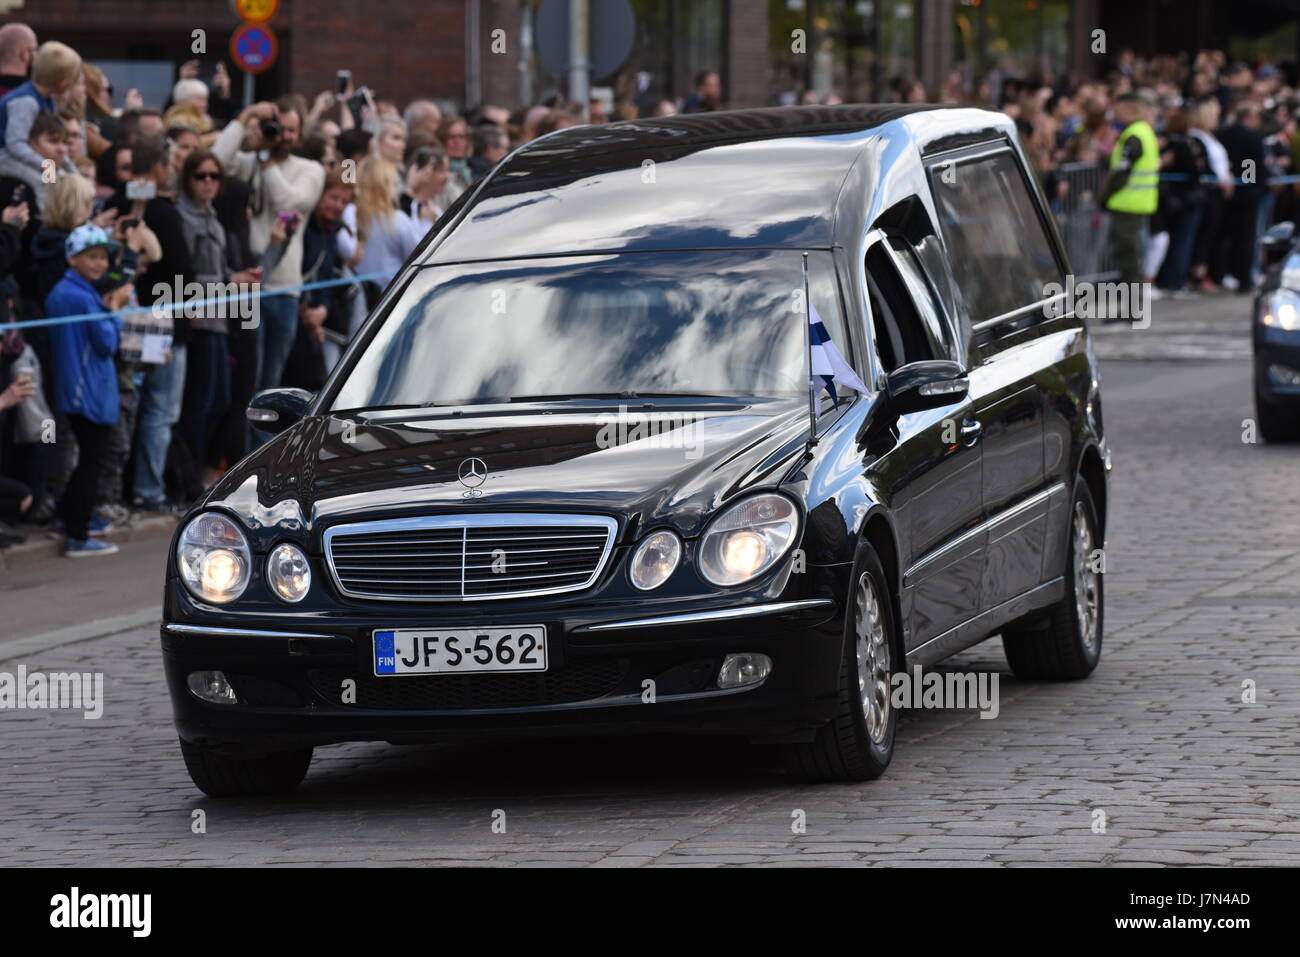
(873, 659)
(1086, 578)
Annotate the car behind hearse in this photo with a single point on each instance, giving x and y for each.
(1275, 337)
(572, 477)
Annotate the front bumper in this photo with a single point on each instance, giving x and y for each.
(1281, 348)
(290, 676)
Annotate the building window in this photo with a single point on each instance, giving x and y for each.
(994, 40)
(858, 50)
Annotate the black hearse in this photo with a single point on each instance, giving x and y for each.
(571, 475)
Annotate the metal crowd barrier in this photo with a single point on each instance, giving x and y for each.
(1083, 220)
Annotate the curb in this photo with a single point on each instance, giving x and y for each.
(43, 544)
(103, 628)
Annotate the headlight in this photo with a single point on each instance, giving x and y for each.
(213, 558)
(655, 559)
(747, 539)
(1280, 309)
(288, 573)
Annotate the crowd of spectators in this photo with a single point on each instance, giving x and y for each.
(1227, 139)
(115, 211)
(201, 252)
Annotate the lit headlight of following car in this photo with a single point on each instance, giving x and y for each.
(288, 573)
(214, 558)
(655, 559)
(747, 539)
(1280, 309)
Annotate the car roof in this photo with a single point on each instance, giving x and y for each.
(763, 178)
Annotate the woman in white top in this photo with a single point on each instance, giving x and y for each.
(386, 236)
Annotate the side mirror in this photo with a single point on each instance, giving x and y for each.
(274, 410)
(931, 384)
(1277, 241)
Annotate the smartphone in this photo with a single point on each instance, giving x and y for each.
(138, 190)
(19, 195)
(342, 79)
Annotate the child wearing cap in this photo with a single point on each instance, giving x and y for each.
(85, 376)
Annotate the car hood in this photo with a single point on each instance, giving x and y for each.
(660, 465)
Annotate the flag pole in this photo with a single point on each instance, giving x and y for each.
(807, 335)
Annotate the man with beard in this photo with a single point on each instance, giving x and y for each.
(17, 50)
(283, 186)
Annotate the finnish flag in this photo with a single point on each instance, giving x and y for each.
(827, 363)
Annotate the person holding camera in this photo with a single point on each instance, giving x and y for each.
(257, 147)
(162, 386)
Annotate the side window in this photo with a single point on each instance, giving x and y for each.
(1000, 254)
(933, 320)
(902, 335)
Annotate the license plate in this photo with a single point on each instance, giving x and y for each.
(439, 651)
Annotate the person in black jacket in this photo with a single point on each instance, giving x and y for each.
(164, 384)
(1182, 198)
(232, 435)
(324, 313)
(1245, 145)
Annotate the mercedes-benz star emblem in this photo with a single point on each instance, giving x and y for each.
(473, 473)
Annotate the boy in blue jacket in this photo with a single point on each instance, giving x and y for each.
(85, 376)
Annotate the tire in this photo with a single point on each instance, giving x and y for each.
(1065, 644)
(853, 746)
(1274, 424)
(219, 775)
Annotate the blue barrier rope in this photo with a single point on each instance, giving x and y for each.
(177, 306)
(1214, 180)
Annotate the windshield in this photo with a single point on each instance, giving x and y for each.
(680, 323)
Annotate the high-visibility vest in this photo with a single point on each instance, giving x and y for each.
(1139, 193)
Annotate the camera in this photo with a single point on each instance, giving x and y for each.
(271, 130)
(137, 189)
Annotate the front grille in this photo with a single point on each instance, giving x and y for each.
(579, 681)
(469, 558)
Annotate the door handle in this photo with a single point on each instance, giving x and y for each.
(970, 432)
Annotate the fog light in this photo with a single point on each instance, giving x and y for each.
(737, 671)
(1284, 376)
(212, 686)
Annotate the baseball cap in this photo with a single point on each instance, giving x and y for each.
(88, 236)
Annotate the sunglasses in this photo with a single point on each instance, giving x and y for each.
(215, 177)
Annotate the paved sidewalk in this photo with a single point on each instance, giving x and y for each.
(1200, 328)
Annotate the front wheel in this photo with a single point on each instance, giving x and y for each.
(1066, 644)
(858, 743)
(1274, 424)
(220, 775)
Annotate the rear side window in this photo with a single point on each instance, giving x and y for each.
(1000, 254)
(902, 336)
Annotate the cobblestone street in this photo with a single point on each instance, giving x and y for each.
(1203, 556)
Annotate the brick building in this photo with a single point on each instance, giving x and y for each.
(766, 50)
(399, 48)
